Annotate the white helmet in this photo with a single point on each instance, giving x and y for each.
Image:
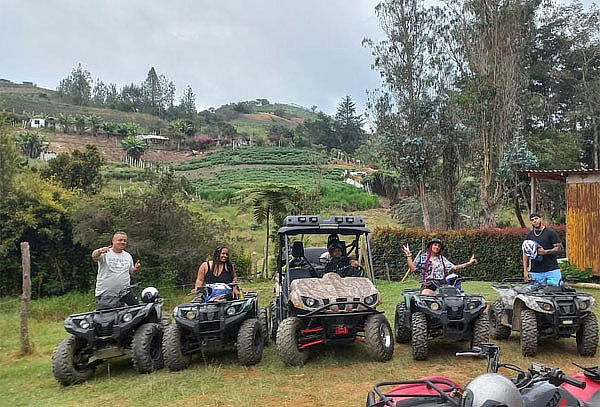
(530, 248)
(149, 294)
(493, 390)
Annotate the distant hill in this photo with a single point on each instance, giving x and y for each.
(32, 99)
(257, 120)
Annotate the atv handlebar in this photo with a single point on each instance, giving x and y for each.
(554, 376)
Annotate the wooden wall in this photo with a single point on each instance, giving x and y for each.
(583, 224)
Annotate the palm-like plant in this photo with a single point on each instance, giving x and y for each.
(31, 143)
(109, 128)
(133, 147)
(271, 201)
(94, 121)
(66, 121)
(80, 121)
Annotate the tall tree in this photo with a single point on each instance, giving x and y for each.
(187, 103)
(348, 126)
(31, 143)
(77, 86)
(133, 147)
(77, 170)
(493, 36)
(406, 112)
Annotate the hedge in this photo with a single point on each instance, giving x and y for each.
(498, 251)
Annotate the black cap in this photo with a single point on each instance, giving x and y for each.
(534, 215)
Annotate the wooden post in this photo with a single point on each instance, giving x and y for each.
(387, 271)
(254, 263)
(533, 188)
(26, 265)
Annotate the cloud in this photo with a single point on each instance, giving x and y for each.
(307, 52)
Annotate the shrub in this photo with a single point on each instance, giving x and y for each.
(498, 251)
(575, 273)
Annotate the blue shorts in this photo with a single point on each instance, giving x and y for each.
(551, 277)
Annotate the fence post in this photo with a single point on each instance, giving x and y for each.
(26, 265)
(254, 264)
(387, 271)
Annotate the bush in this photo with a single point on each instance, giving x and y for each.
(575, 273)
(498, 251)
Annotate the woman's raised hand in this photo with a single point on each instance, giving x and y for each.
(473, 259)
(406, 250)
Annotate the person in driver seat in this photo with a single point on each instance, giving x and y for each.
(341, 264)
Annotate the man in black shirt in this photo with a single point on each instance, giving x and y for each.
(544, 267)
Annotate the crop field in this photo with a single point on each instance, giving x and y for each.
(255, 155)
(332, 375)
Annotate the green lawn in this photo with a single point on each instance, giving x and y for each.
(341, 375)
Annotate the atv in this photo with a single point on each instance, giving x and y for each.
(449, 313)
(215, 320)
(314, 305)
(112, 330)
(543, 311)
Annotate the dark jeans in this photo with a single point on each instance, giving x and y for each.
(113, 301)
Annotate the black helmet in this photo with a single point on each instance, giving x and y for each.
(336, 244)
(436, 240)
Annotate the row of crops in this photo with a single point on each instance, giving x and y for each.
(255, 166)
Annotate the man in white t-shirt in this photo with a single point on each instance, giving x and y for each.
(114, 268)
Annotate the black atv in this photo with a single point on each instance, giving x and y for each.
(108, 332)
(449, 313)
(214, 320)
(543, 311)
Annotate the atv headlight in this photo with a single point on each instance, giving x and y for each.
(127, 317)
(371, 299)
(309, 302)
(545, 306)
(583, 305)
(84, 324)
(472, 305)
(176, 311)
(190, 315)
(434, 306)
(230, 310)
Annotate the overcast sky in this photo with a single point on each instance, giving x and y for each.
(307, 52)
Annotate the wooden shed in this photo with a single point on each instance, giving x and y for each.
(582, 194)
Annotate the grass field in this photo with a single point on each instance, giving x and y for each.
(332, 376)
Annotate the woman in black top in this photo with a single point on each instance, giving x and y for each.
(218, 270)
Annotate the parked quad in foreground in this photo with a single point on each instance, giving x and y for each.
(108, 333)
(541, 311)
(313, 307)
(215, 320)
(449, 313)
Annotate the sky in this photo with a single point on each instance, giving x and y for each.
(307, 52)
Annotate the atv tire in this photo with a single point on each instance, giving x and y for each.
(529, 333)
(146, 348)
(273, 319)
(173, 350)
(481, 331)
(497, 330)
(263, 318)
(401, 330)
(250, 342)
(288, 334)
(419, 336)
(587, 335)
(378, 337)
(65, 361)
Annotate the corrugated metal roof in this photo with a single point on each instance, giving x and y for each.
(558, 174)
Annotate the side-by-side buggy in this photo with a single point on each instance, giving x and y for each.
(317, 304)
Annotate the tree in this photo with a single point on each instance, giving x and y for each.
(270, 201)
(31, 143)
(406, 113)
(77, 170)
(77, 86)
(99, 93)
(133, 147)
(80, 122)
(492, 39)
(348, 126)
(9, 159)
(66, 121)
(109, 128)
(131, 98)
(187, 103)
(95, 122)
